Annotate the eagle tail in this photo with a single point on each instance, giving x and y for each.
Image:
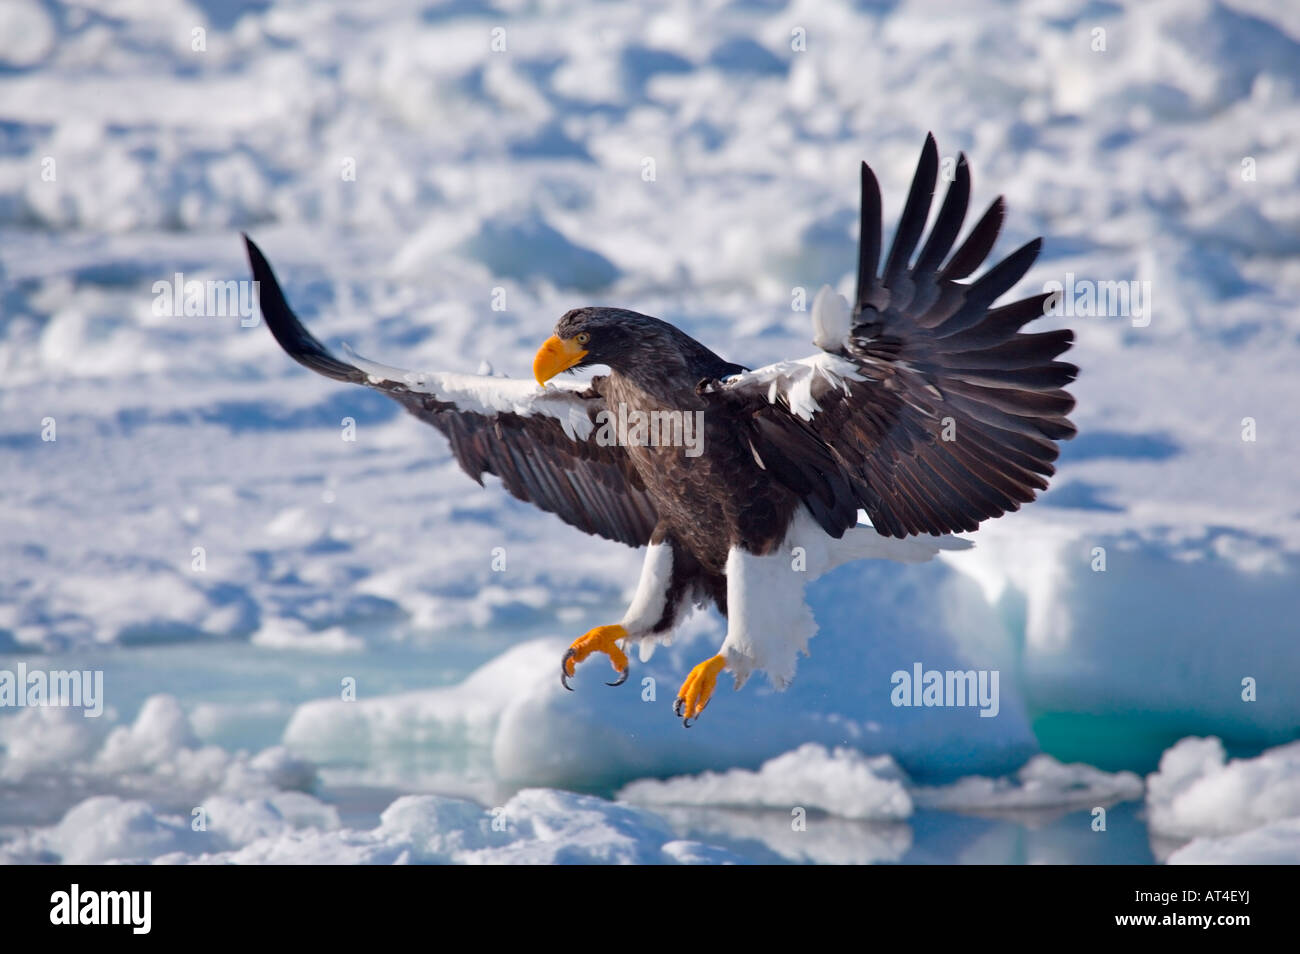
(299, 343)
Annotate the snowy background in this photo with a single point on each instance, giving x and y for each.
(133, 148)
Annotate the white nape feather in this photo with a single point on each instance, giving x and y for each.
(491, 395)
(768, 622)
(830, 319)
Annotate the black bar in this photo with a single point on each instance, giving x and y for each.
(213, 904)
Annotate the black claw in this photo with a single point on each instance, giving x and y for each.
(564, 670)
(622, 677)
(677, 706)
(687, 723)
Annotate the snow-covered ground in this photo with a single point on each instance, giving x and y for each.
(200, 531)
(162, 795)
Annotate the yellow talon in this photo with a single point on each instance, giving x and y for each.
(602, 639)
(697, 689)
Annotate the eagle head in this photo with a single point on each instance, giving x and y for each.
(615, 337)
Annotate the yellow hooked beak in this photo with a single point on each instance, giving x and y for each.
(556, 355)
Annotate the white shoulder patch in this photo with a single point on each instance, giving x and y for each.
(488, 395)
(792, 381)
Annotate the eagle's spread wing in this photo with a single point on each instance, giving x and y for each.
(541, 443)
(925, 407)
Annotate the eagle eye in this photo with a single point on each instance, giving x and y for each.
(583, 337)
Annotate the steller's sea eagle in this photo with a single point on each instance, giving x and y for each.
(925, 407)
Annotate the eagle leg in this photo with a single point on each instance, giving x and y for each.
(698, 689)
(602, 639)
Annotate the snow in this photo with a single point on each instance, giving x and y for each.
(1274, 844)
(105, 828)
(27, 33)
(843, 782)
(455, 717)
(46, 738)
(690, 163)
(159, 732)
(157, 757)
(534, 827)
(259, 809)
(1042, 782)
(847, 784)
(295, 634)
(1199, 791)
(808, 805)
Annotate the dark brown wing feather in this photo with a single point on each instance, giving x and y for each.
(586, 484)
(936, 361)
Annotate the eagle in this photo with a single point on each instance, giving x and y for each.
(925, 407)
